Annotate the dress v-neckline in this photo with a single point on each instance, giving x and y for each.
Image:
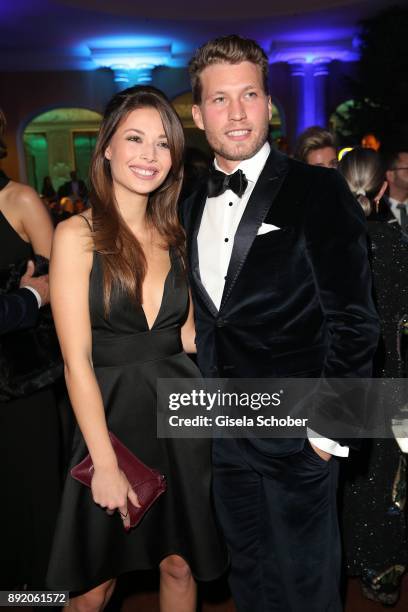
(156, 319)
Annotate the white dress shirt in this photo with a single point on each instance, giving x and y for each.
(395, 211)
(219, 223)
(37, 295)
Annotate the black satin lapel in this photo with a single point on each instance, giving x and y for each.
(193, 227)
(196, 217)
(260, 202)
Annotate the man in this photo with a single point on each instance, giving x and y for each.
(74, 188)
(19, 309)
(397, 177)
(281, 288)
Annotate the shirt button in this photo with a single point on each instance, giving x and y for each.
(226, 239)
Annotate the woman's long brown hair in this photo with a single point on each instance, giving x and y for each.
(124, 263)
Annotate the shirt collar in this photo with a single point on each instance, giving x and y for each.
(252, 167)
(394, 202)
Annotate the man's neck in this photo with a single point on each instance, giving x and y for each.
(400, 195)
(227, 165)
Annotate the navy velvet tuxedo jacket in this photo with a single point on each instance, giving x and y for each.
(18, 310)
(297, 301)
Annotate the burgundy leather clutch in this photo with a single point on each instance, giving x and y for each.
(147, 483)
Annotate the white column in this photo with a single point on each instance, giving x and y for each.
(120, 76)
(144, 73)
(320, 74)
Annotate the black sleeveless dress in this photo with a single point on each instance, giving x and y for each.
(374, 518)
(29, 462)
(90, 546)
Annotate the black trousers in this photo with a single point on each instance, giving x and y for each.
(279, 517)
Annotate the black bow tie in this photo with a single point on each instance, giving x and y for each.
(218, 182)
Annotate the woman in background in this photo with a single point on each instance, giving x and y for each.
(47, 189)
(317, 147)
(374, 511)
(29, 425)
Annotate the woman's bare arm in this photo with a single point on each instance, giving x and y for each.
(70, 268)
(35, 220)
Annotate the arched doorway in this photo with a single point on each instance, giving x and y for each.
(58, 141)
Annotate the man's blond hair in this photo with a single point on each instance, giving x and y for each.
(232, 49)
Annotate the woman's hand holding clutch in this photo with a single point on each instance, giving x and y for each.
(111, 490)
(117, 481)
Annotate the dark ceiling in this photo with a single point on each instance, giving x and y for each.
(58, 34)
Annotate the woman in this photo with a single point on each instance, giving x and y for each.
(374, 520)
(120, 302)
(29, 425)
(317, 147)
(47, 189)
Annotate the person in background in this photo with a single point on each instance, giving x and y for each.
(29, 425)
(317, 147)
(75, 188)
(374, 502)
(47, 189)
(396, 166)
(50, 197)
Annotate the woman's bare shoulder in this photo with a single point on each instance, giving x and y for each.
(74, 232)
(21, 194)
